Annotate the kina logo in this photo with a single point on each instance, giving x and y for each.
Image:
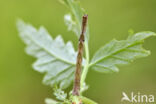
(137, 98)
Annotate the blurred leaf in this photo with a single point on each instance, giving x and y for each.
(60, 95)
(50, 101)
(54, 58)
(84, 87)
(121, 52)
(86, 100)
(74, 19)
(71, 24)
(75, 8)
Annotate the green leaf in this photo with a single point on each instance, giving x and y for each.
(60, 95)
(71, 24)
(54, 58)
(86, 100)
(76, 9)
(121, 52)
(50, 101)
(73, 20)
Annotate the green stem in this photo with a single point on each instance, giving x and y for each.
(85, 70)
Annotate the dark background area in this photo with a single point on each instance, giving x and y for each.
(108, 19)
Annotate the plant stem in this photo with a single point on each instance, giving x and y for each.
(85, 70)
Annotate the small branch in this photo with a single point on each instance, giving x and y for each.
(76, 88)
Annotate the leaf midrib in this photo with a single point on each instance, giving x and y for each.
(91, 64)
(50, 52)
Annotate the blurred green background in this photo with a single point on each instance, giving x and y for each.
(20, 84)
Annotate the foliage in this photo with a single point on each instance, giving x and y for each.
(121, 52)
(57, 59)
(54, 58)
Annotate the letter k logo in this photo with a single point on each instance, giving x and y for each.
(125, 97)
